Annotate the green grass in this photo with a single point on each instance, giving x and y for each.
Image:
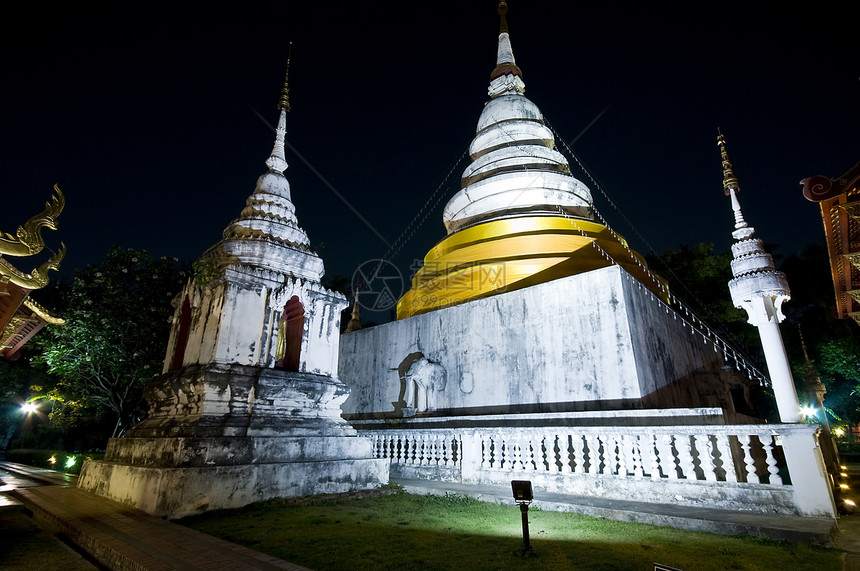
(24, 545)
(404, 531)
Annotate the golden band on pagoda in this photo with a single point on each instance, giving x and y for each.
(520, 217)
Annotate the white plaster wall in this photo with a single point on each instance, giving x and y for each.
(591, 337)
(322, 332)
(241, 325)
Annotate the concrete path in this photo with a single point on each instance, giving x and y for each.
(116, 537)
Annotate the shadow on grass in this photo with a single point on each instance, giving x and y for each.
(404, 531)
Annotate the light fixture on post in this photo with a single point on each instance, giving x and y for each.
(523, 496)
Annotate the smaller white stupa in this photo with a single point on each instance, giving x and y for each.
(248, 407)
(760, 290)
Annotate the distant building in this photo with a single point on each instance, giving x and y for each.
(839, 199)
(21, 317)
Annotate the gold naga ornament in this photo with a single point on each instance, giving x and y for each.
(28, 241)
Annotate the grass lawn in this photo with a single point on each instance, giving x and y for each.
(410, 532)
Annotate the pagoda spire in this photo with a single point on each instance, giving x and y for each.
(731, 188)
(506, 76)
(760, 290)
(277, 161)
(355, 320)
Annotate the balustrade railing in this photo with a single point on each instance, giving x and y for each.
(735, 467)
(419, 448)
(735, 454)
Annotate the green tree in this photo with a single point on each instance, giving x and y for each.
(700, 278)
(833, 344)
(112, 344)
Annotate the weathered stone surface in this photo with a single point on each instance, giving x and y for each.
(542, 348)
(222, 436)
(180, 492)
(235, 400)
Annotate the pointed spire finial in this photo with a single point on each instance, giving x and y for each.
(731, 188)
(355, 321)
(503, 22)
(506, 77)
(277, 161)
(730, 181)
(284, 101)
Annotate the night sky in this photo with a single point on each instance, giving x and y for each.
(150, 119)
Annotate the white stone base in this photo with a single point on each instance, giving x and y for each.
(224, 436)
(178, 492)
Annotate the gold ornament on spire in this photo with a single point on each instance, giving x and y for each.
(284, 101)
(503, 22)
(730, 181)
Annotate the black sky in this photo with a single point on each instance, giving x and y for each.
(149, 116)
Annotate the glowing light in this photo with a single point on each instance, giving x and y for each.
(52, 460)
(844, 486)
(849, 502)
(807, 411)
(70, 461)
(839, 432)
(29, 407)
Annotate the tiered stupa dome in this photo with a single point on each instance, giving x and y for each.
(520, 217)
(267, 235)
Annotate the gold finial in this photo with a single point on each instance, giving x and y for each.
(503, 22)
(284, 101)
(729, 179)
(355, 322)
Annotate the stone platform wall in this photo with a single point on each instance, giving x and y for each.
(598, 339)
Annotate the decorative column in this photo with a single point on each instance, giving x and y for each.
(760, 290)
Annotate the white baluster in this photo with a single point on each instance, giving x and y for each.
(420, 449)
(685, 457)
(517, 459)
(774, 479)
(705, 448)
(595, 454)
(636, 456)
(492, 450)
(668, 460)
(505, 455)
(621, 443)
(650, 444)
(749, 461)
(577, 463)
(726, 461)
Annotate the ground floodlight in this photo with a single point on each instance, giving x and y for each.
(523, 495)
(522, 490)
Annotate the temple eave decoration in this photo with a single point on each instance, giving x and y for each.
(839, 201)
(21, 317)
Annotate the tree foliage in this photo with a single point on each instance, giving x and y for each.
(700, 278)
(117, 322)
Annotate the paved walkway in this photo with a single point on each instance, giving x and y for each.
(117, 537)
